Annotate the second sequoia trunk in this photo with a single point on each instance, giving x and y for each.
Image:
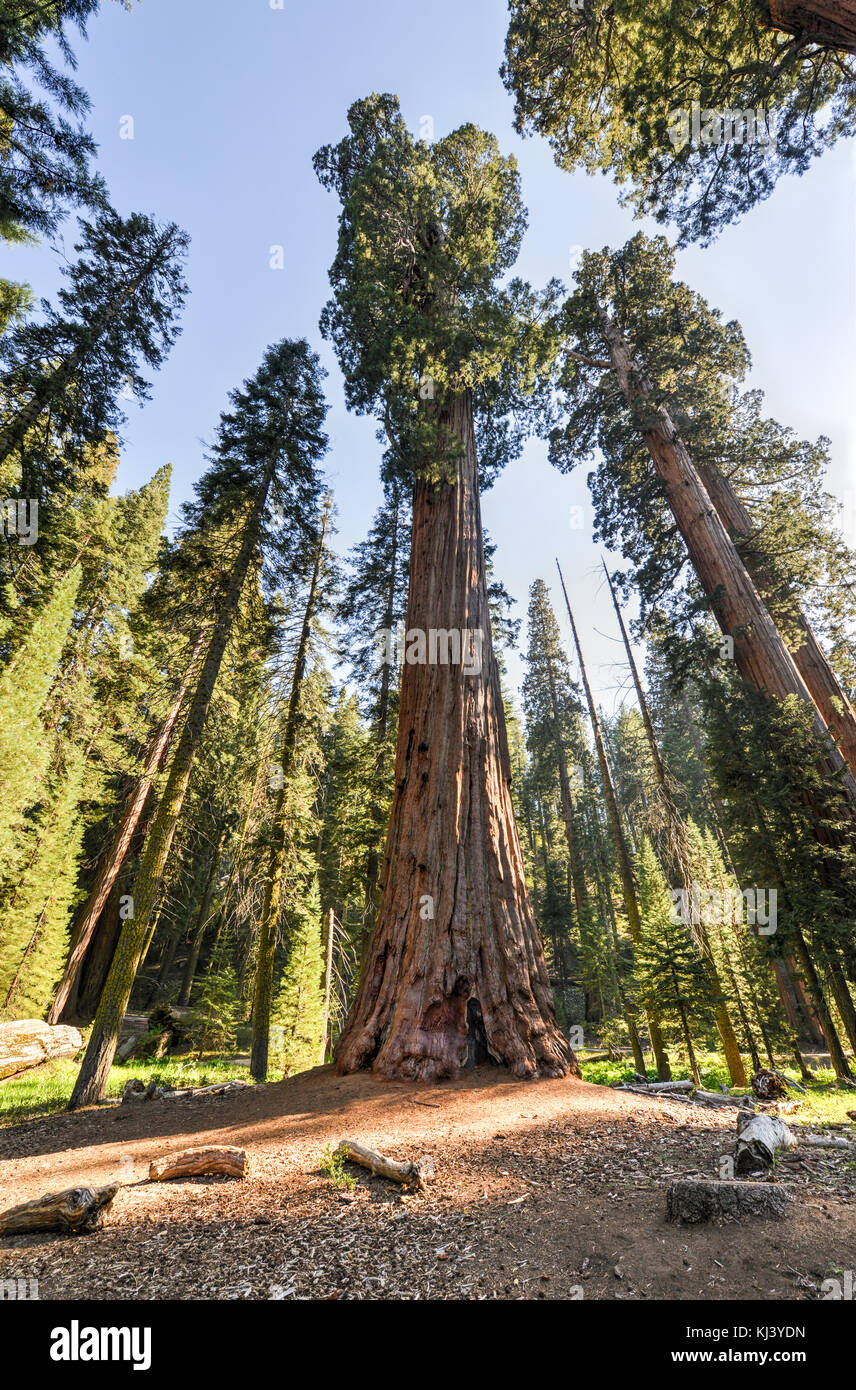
(830, 23)
(455, 972)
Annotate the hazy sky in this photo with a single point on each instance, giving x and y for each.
(230, 99)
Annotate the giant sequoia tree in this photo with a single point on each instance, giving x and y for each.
(432, 344)
(612, 85)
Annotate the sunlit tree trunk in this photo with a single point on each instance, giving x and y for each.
(808, 655)
(117, 853)
(455, 973)
(137, 931)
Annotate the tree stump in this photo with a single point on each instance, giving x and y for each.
(77, 1209)
(693, 1201)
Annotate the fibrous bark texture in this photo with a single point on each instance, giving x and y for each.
(455, 973)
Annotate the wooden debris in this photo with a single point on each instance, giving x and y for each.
(714, 1100)
(686, 1092)
(692, 1201)
(771, 1085)
(759, 1137)
(654, 1088)
(138, 1090)
(77, 1209)
(407, 1174)
(819, 1141)
(192, 1163)
(29, 1042)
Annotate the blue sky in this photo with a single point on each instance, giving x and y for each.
(230, 99)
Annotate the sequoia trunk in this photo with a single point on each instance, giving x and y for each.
(809, 657)
(455, 973)
(830, 23)
(759, 651)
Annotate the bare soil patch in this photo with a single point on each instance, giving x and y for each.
(552, 1189)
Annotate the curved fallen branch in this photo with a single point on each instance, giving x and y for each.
(407, 1174)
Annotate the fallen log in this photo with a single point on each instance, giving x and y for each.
(28, 1042)
(818, 1141)
(194, 1163)
(139, 1090)
(692, 1200)
(710, 1098)
(759, 1138)
(77, 1209)
(407, 1174)
(654, 1088)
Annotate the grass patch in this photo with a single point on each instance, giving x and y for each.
(824, 1103)
(45, 1090)
(332, 1165)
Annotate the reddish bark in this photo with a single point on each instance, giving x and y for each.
(809, 657)
(455, 972)
(759, 650)
(829, 23)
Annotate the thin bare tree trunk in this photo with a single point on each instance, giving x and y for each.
(625, 867)
(328, 984)
(113, 860)
(268, 926)
(679, 846)
(455, 973)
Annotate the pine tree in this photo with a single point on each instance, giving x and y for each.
(24, 686)
(267, 451)
(299, 1008)
(36, 913)
(45, 153)
(118, 312)
(372, 611)
(669, 972)
(616, 300)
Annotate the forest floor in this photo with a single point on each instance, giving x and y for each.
(551, 1189)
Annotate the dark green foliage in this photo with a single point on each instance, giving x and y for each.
(421, 309)
(603, 82)
(45, 153)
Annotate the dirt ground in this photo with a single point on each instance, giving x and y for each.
(553, 1189)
